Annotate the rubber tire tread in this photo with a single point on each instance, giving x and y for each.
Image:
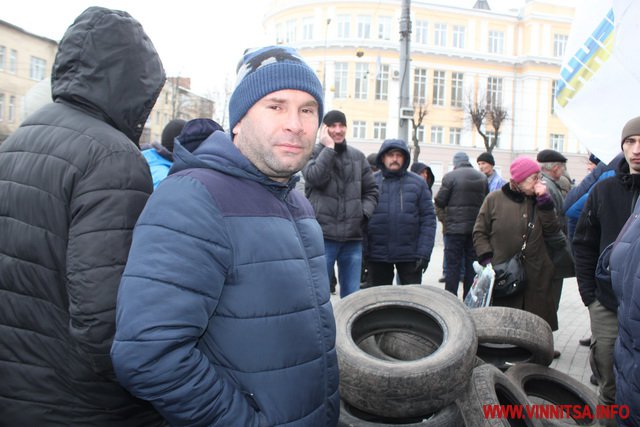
(449, 416)
(399, 389)
(490, 386)
(555, 387)
(518, 328)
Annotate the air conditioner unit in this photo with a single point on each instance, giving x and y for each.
(406, 113)
(395, 75)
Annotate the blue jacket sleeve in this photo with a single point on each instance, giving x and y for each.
(573, 210)
(170, 289)
(584, 187)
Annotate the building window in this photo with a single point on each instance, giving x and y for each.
(559, 44)
(1, 107)
(457, 84)
(554, 85)
(158, 118)
(37, 69)
(11, 116)
(307, 29)
(13, 61)
(494, 91)
(438, 87)
(454, 136)
(496, 42)
(379, 130)
(290, 36)
(362, 83)
(341, 77)
(440, 35)
(436, 135)
(382, 82)
(384, 28)
(364, 27)
(3, 55)
(459, 36)
(359, 129)
(557, 142)
(343, 25)
(420, 86)
(422, 32)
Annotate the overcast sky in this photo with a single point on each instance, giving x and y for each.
(201, 39)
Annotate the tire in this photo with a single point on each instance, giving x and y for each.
(549, 386)
(490, 386)
(371, 347)
(507, 336)
(403, 346)
(410, 388)
(406, 345)
(449, 416)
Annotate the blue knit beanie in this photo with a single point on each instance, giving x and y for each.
(270, 69)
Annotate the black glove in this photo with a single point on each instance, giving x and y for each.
(422, 264)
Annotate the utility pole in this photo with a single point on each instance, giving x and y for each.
(406, 112)
(324, 63)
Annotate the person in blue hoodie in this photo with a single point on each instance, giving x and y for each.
(160, 156)
(223, 314)
(402, 229)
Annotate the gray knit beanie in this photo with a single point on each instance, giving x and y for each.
(631, 128)
(270, 69)
(459, 158)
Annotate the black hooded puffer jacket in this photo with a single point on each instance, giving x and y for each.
(72, 184)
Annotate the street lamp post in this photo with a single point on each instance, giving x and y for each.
(405, 57)
(324, 63)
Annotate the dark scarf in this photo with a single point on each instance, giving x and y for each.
(341, 148)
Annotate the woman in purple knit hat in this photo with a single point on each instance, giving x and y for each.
(500, 230)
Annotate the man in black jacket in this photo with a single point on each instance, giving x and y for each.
(73, 183)
(607, 209)
(340, 186)
(462, 192)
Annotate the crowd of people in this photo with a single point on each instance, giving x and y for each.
(188, 282)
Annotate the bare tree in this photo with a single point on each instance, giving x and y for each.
(482, 114)
(416, 122)
(497, 115)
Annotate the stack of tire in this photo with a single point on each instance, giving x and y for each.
(417, 356)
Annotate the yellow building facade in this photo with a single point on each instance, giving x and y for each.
(459, 57)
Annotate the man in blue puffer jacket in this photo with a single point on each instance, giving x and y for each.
(625, 278)
(223, 315)
(402, 229)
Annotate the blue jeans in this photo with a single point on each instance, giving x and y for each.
(349, 258)
(459, 255)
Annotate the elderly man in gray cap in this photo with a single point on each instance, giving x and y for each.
(553, 165)
(462, 192)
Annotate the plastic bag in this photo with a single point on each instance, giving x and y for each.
(482, 287)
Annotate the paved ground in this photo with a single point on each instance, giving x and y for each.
(573, 319)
